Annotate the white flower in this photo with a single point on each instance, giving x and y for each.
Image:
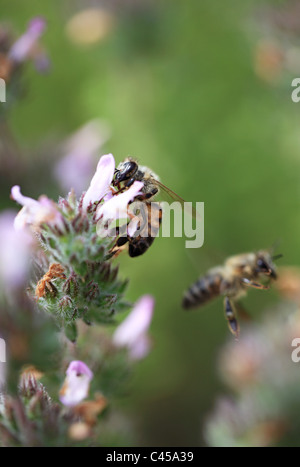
(132, 332)
(117, 206)
(76, 385)
(35, 212)
(99, 186)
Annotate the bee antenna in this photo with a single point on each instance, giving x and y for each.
(275, 257)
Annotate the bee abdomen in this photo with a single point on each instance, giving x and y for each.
(205, 289)
(150, 220)
(137, 248)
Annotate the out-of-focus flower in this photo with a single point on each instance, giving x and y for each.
(2, 363)
(2, 377)
(284, 17)
(265, 378)
(29, 379)
(24, 47)
(101, 181)
(76, 167)
(14, 253)
(117, 206)
(76, 385)
(79, 431)
(30, 372)
(34, 213)
(288, 283)
(89, 410)
(133, 331)
(243, 426)
(268, 60)
(89, 26)
(241, 363)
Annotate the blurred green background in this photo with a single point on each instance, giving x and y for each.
(179, 84)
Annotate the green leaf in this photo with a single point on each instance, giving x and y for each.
(71, 331)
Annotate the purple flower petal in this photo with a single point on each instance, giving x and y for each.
(141, 348)
(77, 165)
(21, 199)
(3, 377)
(35, 212)
(37, 26)
(80, 368)
(132, 332)
(14, 253)
(76, 385)
(24, 46)
(101, 181)
(116, 207)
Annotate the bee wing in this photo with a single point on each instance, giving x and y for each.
(191, 211)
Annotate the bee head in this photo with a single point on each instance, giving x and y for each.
(265, 265)
(125, 171)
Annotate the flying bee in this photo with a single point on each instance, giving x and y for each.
(232, 280)
(150, 215)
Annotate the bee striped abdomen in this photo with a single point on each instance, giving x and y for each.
(150, 219)
(205, 289)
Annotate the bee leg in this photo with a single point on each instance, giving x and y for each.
(255, 285)
(121, 231)
(231, 318)
(116, 249)
(120, 242)
(130, 182)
